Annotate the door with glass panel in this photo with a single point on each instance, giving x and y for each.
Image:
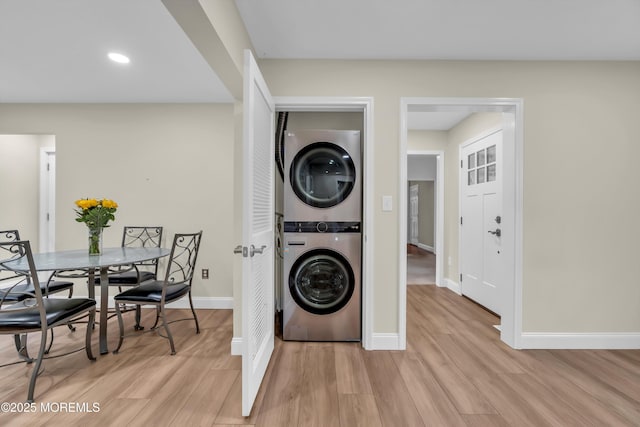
(481, 240)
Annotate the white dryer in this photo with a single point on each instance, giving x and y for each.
(323, 176)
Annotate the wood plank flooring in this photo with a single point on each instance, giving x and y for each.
(455, 372)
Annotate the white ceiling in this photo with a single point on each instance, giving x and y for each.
(55, 51)
(445, 29)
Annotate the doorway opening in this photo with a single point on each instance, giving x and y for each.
(427, 112)
(30, 168)
(425, 182)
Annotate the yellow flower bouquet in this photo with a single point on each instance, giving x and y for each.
(96, 214)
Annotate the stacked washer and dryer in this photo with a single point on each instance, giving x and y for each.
(322, 248)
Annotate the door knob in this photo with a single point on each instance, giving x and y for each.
(497, 233)
(253, 250)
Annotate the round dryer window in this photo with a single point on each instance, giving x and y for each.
(322, 174)
(321, 281)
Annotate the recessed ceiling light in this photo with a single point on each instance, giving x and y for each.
(119, 58)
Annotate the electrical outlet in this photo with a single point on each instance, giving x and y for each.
(205, 273)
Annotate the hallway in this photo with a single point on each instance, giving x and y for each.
(421, 266)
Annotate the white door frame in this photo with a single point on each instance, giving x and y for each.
(364, 105)
(47, 211)
(439, 229)
(511, 331)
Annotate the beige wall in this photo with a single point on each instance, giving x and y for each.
(580, 197)
(20, 185)
(164, 165)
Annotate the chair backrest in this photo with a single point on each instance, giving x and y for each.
(12, 253)
(8, 252)
(182, 260)
(143, 237)
(9, 235)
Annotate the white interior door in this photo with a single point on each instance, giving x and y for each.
(481, 266)
(257, 232)
(413, 214)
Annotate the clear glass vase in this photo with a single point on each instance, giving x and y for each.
(95, 241)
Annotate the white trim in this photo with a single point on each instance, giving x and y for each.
(426, 248)
(581, 340)
(46, 226)
(511, 319)
(364, 104)
(236, 346)
(385, 341)
(453, 286)
(204, 303)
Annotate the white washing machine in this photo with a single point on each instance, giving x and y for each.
(322, 281)
(323, 176)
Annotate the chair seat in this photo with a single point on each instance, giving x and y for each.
(19, 292)
(58, 309)
(128, 278)
(151, 292)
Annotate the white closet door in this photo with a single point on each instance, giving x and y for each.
(257, 232)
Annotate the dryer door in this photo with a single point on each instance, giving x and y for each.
(321, 281)
(322, 174)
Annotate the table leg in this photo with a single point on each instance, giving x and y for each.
(104, 307)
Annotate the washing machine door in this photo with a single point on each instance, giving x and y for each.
(322, 174)
(321, 281)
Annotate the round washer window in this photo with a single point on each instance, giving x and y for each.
(322, 174)
(321, 281)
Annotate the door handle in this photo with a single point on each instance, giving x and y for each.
(241, 250)
(496, 233)
(253, 250)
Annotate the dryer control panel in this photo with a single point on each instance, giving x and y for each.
(322, 227)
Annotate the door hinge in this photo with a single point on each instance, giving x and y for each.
(47, 216)
(48, 167)
(460, 220)
(460, 278)
(460, 164)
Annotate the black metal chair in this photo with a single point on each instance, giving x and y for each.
(176, 285)
(138, 273)
(18, 293)
(31, 312)
(48, 287)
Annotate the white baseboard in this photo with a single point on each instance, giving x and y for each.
(426, 247)
(207, 303)
(453, 286)
(581, 340)
(236, 346)
(385, 341)
(390, 341)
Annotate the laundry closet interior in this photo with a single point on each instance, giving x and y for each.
(318, 222)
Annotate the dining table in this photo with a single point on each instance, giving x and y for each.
(80, 260)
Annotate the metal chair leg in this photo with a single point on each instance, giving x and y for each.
(90, 322)
(21, 347)
(195, 317)
(121, 326)
(137, 326)
(155, 324)
(36, 368)
(166, 328)
(50, 343)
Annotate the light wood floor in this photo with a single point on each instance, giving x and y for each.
(421, 266)
(455, 372)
